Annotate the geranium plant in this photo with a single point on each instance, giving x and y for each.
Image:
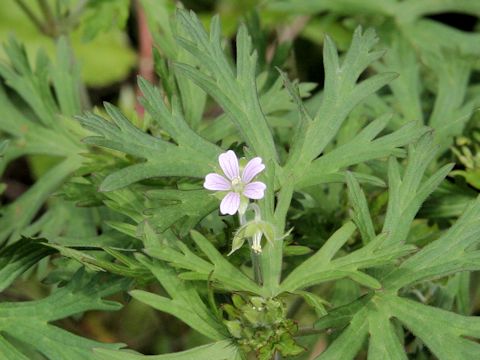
(289, 222)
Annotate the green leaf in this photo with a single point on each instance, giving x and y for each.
(184, 259)
(8, 351)
(162, 158)
(234, 90)
(453, 335)
(341, 95)
(361, 215)
(173, 206)
(31, 85)
(185, 302)
(66, 80)
(384, 341)
(30, 321)
(407, 88)
(310, 270)
(18, 214)
(103, 16)
(447, 255)
(363, 148)
(314, 301)
(349, 342)
(407, 194)
(321, 266)
(15, 259)
(125, 266)
(296, 250)
(224, 271)
(220, 350)
(173, 121)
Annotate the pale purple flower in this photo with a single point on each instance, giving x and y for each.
(236, 185)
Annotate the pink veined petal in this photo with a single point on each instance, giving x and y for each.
(254, 190)
(229, 164)
(230, 203)
(252, 169)
(216, 182)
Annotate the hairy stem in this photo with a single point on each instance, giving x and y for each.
(309, 331)
(255, 257)
(257, 269)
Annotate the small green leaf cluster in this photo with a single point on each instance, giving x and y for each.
(260, 325)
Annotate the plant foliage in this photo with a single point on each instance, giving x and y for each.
(369, 248)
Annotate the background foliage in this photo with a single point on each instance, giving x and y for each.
(364, 113)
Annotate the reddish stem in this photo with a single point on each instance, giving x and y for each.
(145, 41)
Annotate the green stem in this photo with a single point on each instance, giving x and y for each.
(309, 331)
(257, 269)
(273, 254)
(254, 256)
(51, 22)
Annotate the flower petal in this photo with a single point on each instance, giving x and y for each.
(230, 203)
(216, 182)
(254, 190)
(252, 169)
(229, 164)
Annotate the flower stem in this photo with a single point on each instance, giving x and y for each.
(254, 256)
(257, 269)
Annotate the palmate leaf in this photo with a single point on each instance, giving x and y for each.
(38, 128)
(452, 107)
(224, 271)
(30, 321)
(321, 267)
(191, 157)
(218, 270)
(164, 209)
(234, 89)
(362, 148)
(330, 167)
(443, 332)
(366, 316)
(172, 207)
(274, 103)
(162, 26)
(304, 167)
(449, 339)
(452, 253)
(33, 86)
(341, 95)
(184, 302)
(407, 193)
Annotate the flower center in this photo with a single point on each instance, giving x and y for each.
(237, 185)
